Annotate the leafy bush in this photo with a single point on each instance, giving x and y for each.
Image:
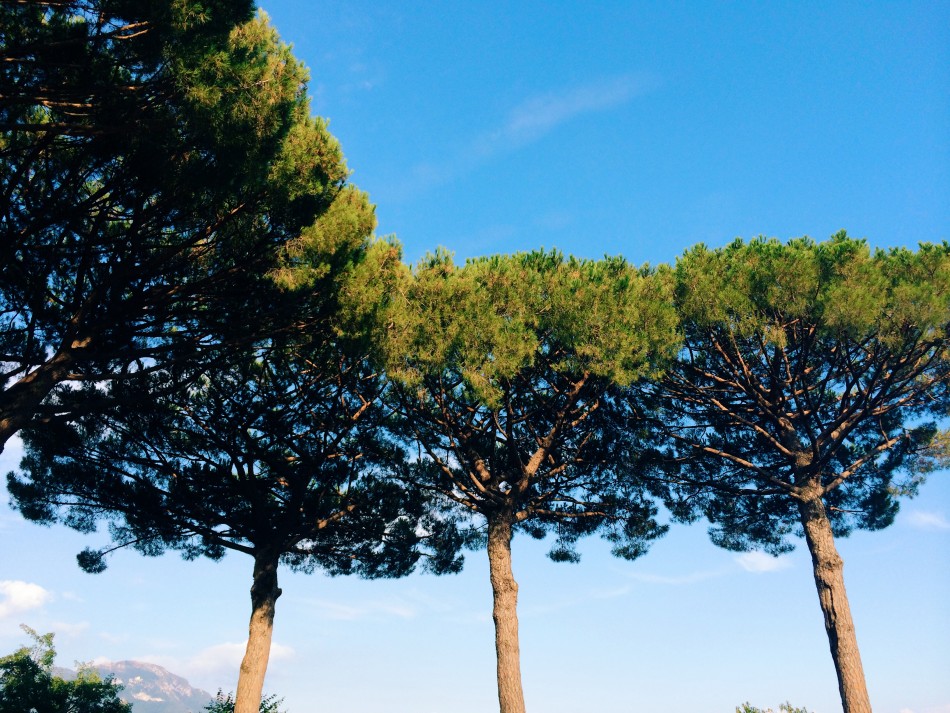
(783, 708)
(27, 684)
(225, 704)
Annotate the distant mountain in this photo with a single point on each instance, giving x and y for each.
(150, 688)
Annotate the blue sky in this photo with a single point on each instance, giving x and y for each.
(613, 127)
(636, 128)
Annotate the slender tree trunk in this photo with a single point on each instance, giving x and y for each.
(505, 613)
(264, 593)
(829, 578)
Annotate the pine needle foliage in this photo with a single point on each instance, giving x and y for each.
(805, 365)
(155, 159)
(805, 400)
(499, 369)
(277, 452)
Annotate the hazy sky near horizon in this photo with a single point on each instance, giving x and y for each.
(615, 127)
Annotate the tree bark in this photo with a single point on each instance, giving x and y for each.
(264, 593)
(505, 613)
(19, 402)
(829, 579)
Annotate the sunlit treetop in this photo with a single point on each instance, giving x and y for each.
(840, 286)
(497, 317)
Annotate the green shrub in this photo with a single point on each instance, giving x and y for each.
(783, 708)
(225, 704)
(27, 684)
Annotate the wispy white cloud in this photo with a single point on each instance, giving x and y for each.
(528, 121)
(612, 593)
(677, 579)
(924, 520)
(326, 609)
(228, 656)
(17, 596)
(583, 599)
(111, 638)
(69, 629)
(539, 114)
(429, 603)
(215, 666)
(760, 562)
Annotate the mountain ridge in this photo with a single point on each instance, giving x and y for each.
(150, 688)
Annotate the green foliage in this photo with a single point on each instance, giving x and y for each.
(499, 372)
(839, 286)
(156, 162)
(276, 451)
(279, 452)
(27, 684)
(499, 315)
(139, 242)
(808, 367)
(783, 708)
(225, 704)
(936, 456)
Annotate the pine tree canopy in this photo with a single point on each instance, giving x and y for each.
(499, 369)
(278, 448)
(157, 161)
(807, 369)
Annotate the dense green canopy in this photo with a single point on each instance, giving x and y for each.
(499, 371)
(825, 359)
(154, 159)
(276, 451)
(804, 398)
(205, 348)
(178, 245)
(499, 368)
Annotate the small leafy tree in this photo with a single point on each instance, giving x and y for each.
(782, 708)
(803, 400)
(498, 373)
(27, 684)
(225, 704)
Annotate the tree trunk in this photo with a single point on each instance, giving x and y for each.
(829, 578)
(505, 613)
(264, 593)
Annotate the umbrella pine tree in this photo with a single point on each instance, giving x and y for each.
(154, 158)
(803, 401)
(279, 455)
(498, 373)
